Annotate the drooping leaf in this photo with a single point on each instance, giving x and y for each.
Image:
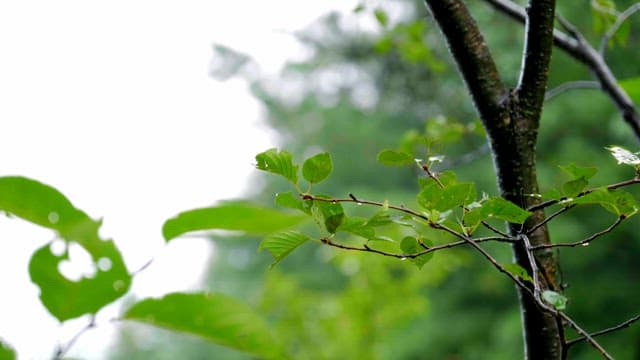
(434, 197)
(358, 226)
(497, 208)
(577, 172)
(215, 317)
(283, 243)
(235, 216)
(331, 214)
(317, 168)
(289, 200)
(430, 195)
(45, 206)
(555, 299)
(518, 271)
(394, 158)
(552, 194)
(380, 218)
(409, 245)
(278, 162)
(574, 187)
(457, 195)
(503, 209)
(618, 202)
(6, 351)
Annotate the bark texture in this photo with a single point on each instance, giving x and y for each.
(511, 118)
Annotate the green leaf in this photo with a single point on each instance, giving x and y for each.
(289, 200)
(409, 245)
(331, 214)
(518, 271)
(394, 158)
(473, 218)
(358, 226)
(503, 209)
(278, 162)
(317, 168)
(6, 351)
(574, 187)
(577, 172)
(555, 299)
(283, 243)
(45, 206)
(632, 87)
(624, 156)
(214, 317)
(617, 202)
(457, 195)
(434, 197)
(552, 194)
(380, 218)
(381, 17)
(235, 216)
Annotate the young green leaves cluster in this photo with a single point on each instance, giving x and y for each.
(575, 191)
(444, 201)
(314, 170)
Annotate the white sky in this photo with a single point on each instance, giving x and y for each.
(111, 103)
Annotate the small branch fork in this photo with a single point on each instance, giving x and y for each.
(574, 43)
(463, 239)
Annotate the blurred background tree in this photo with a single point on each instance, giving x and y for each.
(368, 87)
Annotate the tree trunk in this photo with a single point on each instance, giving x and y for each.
(511, 118)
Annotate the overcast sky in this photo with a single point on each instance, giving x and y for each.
(111, 103)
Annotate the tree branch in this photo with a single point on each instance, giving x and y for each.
(472, 55)
(622, 325)
(582, 51)
(537, 56)
(584, 241)
(572, 85)
(546, 204)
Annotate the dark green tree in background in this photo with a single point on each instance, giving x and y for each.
(382, 88)
(410, 262)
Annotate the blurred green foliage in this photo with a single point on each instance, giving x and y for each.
(365, 91)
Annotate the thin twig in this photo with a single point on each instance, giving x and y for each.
(622, 325)
(495, 230)
(426, 169)
(549, 218)
(585, 335)
(620, 19)
(353, 199)
(63, 349)
(466, 158)
(583, 242)
(572, 85)
(427, 249)
(534, 268)
(548, 203)
(142, 268)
